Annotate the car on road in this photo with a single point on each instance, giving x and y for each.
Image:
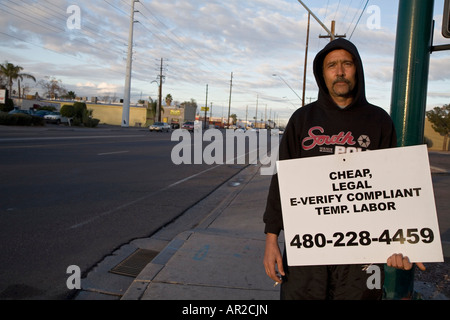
(55, 117)
(160, 126)
(189, 126)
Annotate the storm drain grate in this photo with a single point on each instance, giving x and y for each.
(134, 263)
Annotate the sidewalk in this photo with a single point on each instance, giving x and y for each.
(221, 258)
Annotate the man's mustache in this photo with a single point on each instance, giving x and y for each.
(341, 79)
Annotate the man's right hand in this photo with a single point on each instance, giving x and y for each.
(273, 258)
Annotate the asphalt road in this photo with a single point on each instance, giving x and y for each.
(72, 196)
(440, 161)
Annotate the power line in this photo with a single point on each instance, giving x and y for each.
(180, 42)
(39, 16)
(362, 12)
(47, 49)
(354, 16)
(339, 4)
(93, 30)
(33, 22)
(117, 8)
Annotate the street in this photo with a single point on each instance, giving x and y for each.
(72, 196)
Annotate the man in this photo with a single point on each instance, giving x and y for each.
(340, 121)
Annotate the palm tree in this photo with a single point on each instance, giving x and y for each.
(169, 99)
(12, 72)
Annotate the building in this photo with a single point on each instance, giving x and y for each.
(107, 113)
(177, 115)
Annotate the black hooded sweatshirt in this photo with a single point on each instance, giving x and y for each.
(323, 128)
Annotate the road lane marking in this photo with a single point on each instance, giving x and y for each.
(438, 169)
(141, 198)
(109, 153)
(106, 213)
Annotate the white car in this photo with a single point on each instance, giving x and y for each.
(160, 126)
(55, 117)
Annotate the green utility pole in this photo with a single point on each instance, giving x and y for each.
(411, 68)
(408, 103)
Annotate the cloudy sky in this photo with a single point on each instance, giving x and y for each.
(201, 43)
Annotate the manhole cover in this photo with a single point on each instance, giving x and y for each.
(134, 263)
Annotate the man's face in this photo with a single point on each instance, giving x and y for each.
(339, 72)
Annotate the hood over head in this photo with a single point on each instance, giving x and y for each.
(359, 90)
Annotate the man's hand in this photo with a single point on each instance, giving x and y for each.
(398, 261)
(272, 258)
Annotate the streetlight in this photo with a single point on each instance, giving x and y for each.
(276, 75)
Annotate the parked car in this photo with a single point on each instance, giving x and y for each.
(189, 126)
(160, 126)
(42, 113)
(55, 117)
(19, 111)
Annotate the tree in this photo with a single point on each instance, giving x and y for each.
(169, 99)
(12, 73)
(234, 117)
(152, 105)
(440, 121)
(191, 103)
(70, 95)
(54, 88)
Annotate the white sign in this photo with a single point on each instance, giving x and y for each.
(359, 208)
(2, 96)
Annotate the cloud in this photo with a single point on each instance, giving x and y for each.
(98, 89)
(201, 42)
(86, 85)
(439, 68)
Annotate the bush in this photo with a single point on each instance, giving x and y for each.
(91, 122)
(8, 106)
(20, 119)
(80, 109)
(76, 122)
(48, 108)
(68, 111)
(37, 121)
(79, 114)
(3, 118)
